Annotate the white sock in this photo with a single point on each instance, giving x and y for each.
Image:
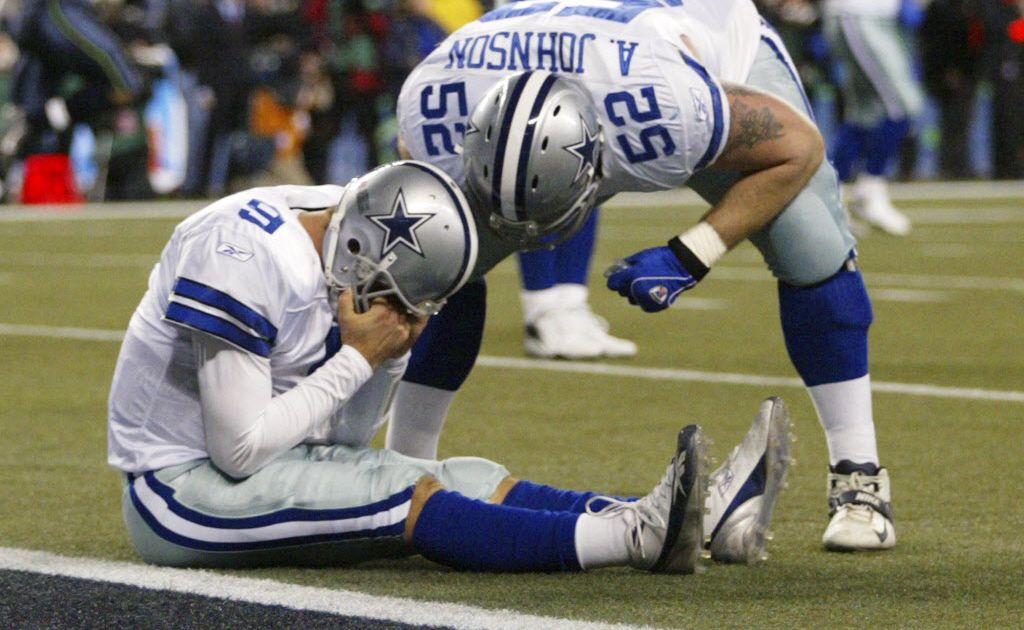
(601, 542)
(417, 417)
(571, 295)
(536, 303)
(844, 410)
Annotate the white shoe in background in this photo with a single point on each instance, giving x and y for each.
(872, 205)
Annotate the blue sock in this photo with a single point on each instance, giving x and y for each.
(883, 146)
(826, 328)
(537, 269)
(535, 496)
(465, 533)
(848, 151)
(568, 263)
(447, 349)
(572, 265)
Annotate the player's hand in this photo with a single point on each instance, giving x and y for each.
(652, 278)
(381, 332)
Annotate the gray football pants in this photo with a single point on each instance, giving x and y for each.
(876, 77)
(314, 505)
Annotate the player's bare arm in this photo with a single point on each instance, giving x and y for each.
(776, 147)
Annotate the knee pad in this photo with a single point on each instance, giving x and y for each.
(474, 477)
(826, 327)
(446, 351)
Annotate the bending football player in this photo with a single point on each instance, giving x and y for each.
(263, 358)
(540, 124)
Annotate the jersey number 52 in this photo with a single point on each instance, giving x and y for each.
(440, 136)
(618, 103)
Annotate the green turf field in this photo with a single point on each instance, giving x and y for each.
(949, 308)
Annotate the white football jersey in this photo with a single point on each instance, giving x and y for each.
(651, 67)
(242, 269)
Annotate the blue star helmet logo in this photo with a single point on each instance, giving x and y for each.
(584, 150)
(400, 225)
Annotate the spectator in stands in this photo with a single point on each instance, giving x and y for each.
(209, 37)
(951, 39)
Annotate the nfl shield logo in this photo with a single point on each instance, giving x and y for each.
(659, 293)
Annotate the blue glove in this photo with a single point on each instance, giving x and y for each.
(654, 278)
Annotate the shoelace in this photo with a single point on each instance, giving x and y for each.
(858, 481)
(861, 482)
(643, 511)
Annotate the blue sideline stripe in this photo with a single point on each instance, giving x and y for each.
(503, 133)
(217, 327)
(394, 530)
(270, 518)
(217, 299)
(466, 229)
(716, 105)
(525, 148)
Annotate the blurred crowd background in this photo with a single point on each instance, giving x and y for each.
(236, 93)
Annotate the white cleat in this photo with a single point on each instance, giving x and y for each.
(573, 333)
(665, 531)
(860, 511)
(874, 207)
(744, 490)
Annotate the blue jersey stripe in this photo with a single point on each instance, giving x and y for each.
(524, 149)
(271, 518)
(387, 531)
(218, 299)
(217, 327)
(716, 106)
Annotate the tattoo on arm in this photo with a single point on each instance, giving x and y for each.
(750, 126)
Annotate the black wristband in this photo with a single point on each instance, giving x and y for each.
(690, 261)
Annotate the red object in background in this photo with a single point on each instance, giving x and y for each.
(1016, 31)
(49, 178)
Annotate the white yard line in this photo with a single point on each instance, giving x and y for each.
(944, 192)
(296, 597)
(601, 369)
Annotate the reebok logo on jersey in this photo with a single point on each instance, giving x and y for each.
(659, 293)
(234, 251)
(699, 108)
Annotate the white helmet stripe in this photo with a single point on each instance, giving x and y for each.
(517, 116)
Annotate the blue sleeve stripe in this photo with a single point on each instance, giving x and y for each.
(716, 105)
(194, 318)
(217, 299)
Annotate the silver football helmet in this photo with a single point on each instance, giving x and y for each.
(404, 230)
(532, 158)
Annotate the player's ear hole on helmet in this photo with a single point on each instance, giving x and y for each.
(353, 246)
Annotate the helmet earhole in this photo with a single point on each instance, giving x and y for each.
(544, 144)
(486, 171)
(353, 246)
(487, 136)
(533, 184)
(558, 108)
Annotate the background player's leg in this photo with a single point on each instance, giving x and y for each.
(557, 315)
(441, 361)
